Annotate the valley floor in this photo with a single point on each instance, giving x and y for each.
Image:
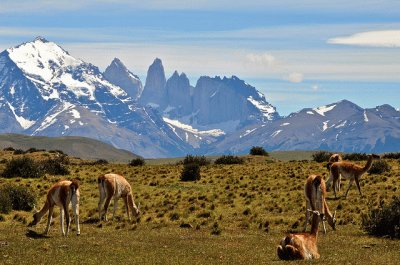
(249, 207)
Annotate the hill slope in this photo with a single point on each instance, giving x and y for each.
(82, 147)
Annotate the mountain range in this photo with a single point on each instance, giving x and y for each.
(45, 91)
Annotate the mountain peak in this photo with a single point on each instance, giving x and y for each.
(41, 39)
(117, 63)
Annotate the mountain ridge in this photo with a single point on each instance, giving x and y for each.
(46, 91)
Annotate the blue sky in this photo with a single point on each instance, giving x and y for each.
(298, 53)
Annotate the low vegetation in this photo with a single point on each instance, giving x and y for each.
(321, 156)
(383, 220)
(258, 151)
(191, 172)
(137, 162)
(355, 156)
(229, 160)
(379, 167)
(23, 167)
(199, 160)
(16, 197)
(232, 214)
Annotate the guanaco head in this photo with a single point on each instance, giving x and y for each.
(332, 223)
(138, 209)
(35, 217)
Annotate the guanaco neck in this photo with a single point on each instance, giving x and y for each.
(43, 211)
(314, 224)
(132, 204)
(369, 164)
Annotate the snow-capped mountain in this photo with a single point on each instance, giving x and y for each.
(46, 91)
(341, 126)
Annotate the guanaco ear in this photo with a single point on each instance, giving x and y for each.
(34, 209)
(334, 216)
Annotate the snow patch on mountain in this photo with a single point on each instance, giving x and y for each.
(25, 123)
(185, 127)
(266, 109)
(52, 118)
(365, 116)
(322, 110)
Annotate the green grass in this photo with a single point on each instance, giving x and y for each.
(239, 198)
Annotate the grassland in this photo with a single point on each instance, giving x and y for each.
(236, 214)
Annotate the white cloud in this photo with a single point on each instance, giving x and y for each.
(382, 38)
(296, 77)
(264, 59)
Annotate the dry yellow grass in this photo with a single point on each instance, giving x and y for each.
(253, 205)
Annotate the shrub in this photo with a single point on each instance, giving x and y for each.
(33, 150)
(229, 160)
(355, 156)
(9, 149)
(379, 167)
(57, 152)
(19, 152)
(55, 166)
(23, 167)
(321, 156)
(384, 220)
(190, 172)
(200, 160)
(100, 162)
(391, 155)
(16, 197)
(215, 229)
(137, 162)
(258, 151)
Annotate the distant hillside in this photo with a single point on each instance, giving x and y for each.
(82, 147)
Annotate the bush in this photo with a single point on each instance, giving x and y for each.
(55, 166)
(56, 152)
(229, 160)
(137, 162)
(379, 167)
(321, 156)
(23, 167)
(13, 197)
(391, 155)
(258, 151)
(100, 162)
(19, 152)
(384, 220)
(190, 172)
(34, 150)
(355, 156)
(200, 160)
(9, 149)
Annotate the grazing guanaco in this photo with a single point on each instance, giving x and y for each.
(350, 171)
(301, 245)
(315, 193)
(60, 194)
(115, 186)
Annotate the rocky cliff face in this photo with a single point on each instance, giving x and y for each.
(217, 100)
(119, 75)
(179, 96)
(154, 93)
